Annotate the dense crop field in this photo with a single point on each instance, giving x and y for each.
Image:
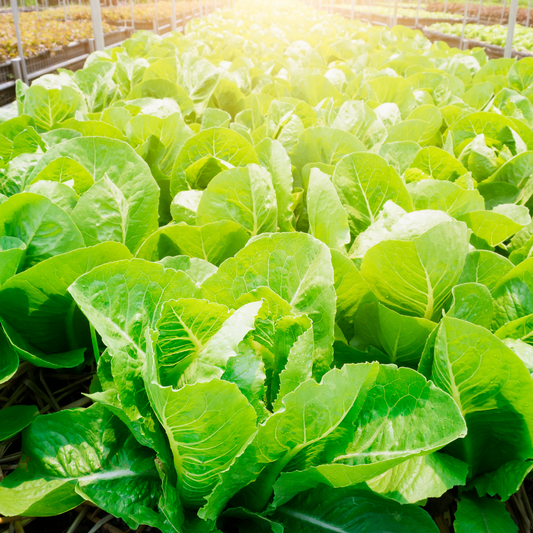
(402, 12)
(297, 252)
(48, 30)
(491, 13)
(42, 33)
(497, 34)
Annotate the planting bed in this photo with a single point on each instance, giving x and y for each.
(74, 54)
(494, 36)
(379, 15)
(489, 14)
(47, 31)
(273, 275)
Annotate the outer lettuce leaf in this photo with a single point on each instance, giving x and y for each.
(312, 412)
(15, 418)
(504, 481)
(121, 300)
(445, 196)
(482, 515)
(364, 182)
(41, 225)
(490, 125)
(185, 327)
(438, 164)
(84, 451)
(38, 306)
(206, 154)
(415, 277)
(49, 106)
(58, 193)
(197, 269)
(487, 268)
(9, 360)
(466, 361)
(472, 302)
(119, 162)
(63, 170)
(496, 226)
(352, 292)
(392, 90)
(401, 337)
(327, 218)
(425, 476)
(242, 195)
(399, 154)
(513, 295)
(188, 416)
(274, 158)
(214, 242)
(321, 144)
(400, 416)
(351, 510)
(9, 130)
(103, 214)
(12, 253)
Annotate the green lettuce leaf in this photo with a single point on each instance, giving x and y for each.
(82, 453)
(483, 515)
(351, 510)
(466, 361)
(364, 182)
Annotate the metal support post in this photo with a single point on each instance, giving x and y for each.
(417, 13)
(132, 14)
(464, 25)
(23, 70)
(510, 29)
(395, 18)
(98, 30)
(503, 11)
(173, 15)
(156, 20)
(17, 70)
(528, 11)
(479, 10)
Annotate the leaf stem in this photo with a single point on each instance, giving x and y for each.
(69, 323)
(267, 478)
(94, 341)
